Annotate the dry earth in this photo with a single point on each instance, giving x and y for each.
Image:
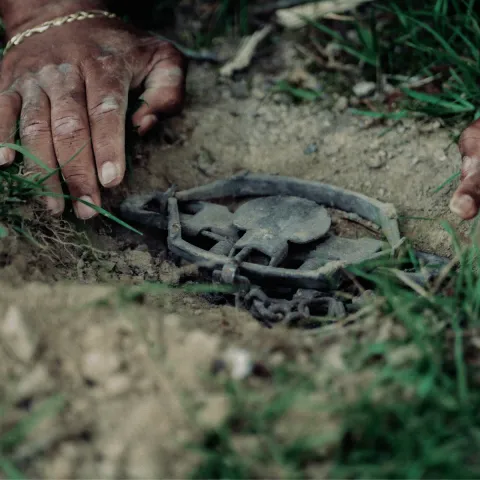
(134, 376)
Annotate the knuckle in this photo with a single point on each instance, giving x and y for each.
(170, 51)
(78, 178)
(108, 105)
(109, 62)
(31, 129)
(68, 126)
(168, 54)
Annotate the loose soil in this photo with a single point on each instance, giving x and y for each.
(135, 374)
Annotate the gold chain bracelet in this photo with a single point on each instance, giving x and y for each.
(56, 22)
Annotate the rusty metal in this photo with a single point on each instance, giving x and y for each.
(278, 238)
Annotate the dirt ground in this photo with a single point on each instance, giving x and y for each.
(134, 376)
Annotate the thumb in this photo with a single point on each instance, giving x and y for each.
(164, 88)
(466, 199)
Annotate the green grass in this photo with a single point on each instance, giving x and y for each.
(18, 190)
(229, 17)
(435, 39)
(405, 404)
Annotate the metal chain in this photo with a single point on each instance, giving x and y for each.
(56, 22)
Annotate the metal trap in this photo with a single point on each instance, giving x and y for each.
(275, 245)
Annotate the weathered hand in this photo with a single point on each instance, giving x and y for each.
(466, 200)
(69, 87)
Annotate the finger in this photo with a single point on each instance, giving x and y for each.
(164, 88)
(36, 137)
(72, 142)
(466, 199)
(107, 97)
(10, 106)
(469, 143)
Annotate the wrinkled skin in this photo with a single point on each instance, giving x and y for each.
(466, 200)
(69, 87)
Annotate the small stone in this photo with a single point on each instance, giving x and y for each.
(341, 104)
(206, 162)
(258, 94)
(430, 126)
(97, 366)
(310, 148)
(107, 265)
(302, 79)
(121, 266)
(440, 156)
(117, 385)
(378, 160)
(239, 363)
(364, 89)
(36, 382)
(16, 336)
(277, 359)
(141, 261)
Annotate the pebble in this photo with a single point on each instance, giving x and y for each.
(206, 162)
(97, 366)
(139, 259)
(364, 89)
(117, 384)
(239, 363)
(35, 382)
(258, 94)
(341, 104)
(378, 160)
(310, 148)
(16, 335)
(277, 359)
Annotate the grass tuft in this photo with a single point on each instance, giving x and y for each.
(403, 400)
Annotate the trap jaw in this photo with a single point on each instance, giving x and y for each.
(283, 214)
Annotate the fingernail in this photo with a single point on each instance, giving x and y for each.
(146, 124)
(54, 205)
(108, 173)
(463, 205)
(84, 212)
(7, 155)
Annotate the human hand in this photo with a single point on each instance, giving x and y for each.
(466, 199)
(69, 87)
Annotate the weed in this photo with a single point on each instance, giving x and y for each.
(403, 401)
(437, 42)
(17, 190)
(301, 94)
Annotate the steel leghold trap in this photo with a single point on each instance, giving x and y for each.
(275, 246)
